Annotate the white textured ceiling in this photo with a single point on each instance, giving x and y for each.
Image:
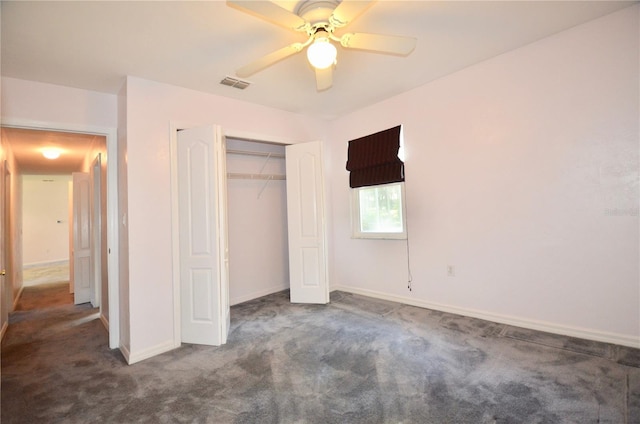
(95, 44)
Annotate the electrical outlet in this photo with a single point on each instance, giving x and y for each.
(451, 271)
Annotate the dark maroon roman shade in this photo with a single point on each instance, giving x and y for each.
(373, 159)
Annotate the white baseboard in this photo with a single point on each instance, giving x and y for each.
(257, 294)
(104, 321)
(125, 352)
(150, 352)
(46, 263)
(17, 299)
(4, 330)
(582, 333)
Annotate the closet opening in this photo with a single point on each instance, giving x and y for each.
(249, 220)
(257, 219)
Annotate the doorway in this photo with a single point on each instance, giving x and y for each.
(45, 200)
(108, 172)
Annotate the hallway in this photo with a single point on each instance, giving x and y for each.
(49, 337)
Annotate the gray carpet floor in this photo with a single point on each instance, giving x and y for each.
(356, 360)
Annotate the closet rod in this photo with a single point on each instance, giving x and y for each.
(252, 153)
(236, 175)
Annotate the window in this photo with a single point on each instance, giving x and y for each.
(376, 177)
(379, 211)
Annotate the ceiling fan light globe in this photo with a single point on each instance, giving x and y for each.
(321, 54)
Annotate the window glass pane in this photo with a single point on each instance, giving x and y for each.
(381, 209)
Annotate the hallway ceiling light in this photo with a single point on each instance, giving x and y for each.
(51, 153)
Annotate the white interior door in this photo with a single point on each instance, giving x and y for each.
(307, 228)
(83, 279)
(70, 195)
(204, 299)
(96, 233)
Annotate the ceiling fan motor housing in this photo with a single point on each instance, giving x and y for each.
(317, 12)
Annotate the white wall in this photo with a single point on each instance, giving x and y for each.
(151, 107)
(257, 222)
(40, 102)
(522, 173)
(45, 218)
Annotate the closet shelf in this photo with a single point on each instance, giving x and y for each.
(241, 176)
(252, 153)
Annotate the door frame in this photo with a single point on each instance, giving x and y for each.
(113, 263)
(4, 248)
(8, 258)
(174, 127)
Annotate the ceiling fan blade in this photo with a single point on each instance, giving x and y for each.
(347, 11)
(391, 44)
(269, 60)
(270, 12)
(324, 78)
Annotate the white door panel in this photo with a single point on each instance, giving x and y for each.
(82, 276)
(96, 236)
(305, 212)
(202, 258)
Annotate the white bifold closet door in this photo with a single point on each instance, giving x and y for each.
(307, 224)
(203, 239)
(204, 300)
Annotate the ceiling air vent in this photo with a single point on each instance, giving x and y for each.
(236, 83)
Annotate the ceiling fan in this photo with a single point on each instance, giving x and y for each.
(319, 19)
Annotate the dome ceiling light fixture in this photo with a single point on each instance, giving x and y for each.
(319, 19)
(51, 152)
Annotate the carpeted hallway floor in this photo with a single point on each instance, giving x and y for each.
(356, 360)
(45, 274)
